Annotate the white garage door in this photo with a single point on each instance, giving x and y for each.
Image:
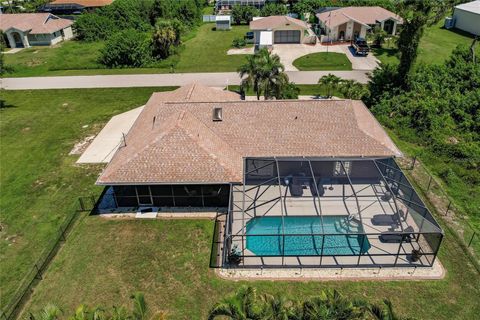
(287, 36)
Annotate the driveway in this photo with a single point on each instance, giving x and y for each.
(367, 63)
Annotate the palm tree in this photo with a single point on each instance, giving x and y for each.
(242, 306)
(385, 312)
(49, 312)
(331, 82)
(84, 313)
(264, 73)
(277, 308)
(352, 89)
(332, 305)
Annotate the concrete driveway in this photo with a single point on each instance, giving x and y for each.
(367, 63)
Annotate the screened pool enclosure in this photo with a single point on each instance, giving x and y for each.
(326, 212)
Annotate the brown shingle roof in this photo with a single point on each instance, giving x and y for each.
(35, 23)
(85, 3)
(177, 142)
(365, 15)
(274, 22)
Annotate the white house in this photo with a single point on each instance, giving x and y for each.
(35, 29)
(343, 24)
(467, 17)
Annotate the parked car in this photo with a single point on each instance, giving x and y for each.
(360, 46)
(249, 37)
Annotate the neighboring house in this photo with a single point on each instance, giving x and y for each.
(73, 6)
(466, 17)
(223, 23)
(227, 5)
(293, 180)
(35, 29)
(345, 24)
(280, 29)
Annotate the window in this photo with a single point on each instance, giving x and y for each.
(339, 171)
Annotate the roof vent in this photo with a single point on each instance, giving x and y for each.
(217, 114)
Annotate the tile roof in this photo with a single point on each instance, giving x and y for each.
(35, 23)
(274, 22)
(364, 15)
(85, 3)
(176, 141)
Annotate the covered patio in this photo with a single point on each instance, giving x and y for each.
(325, 212)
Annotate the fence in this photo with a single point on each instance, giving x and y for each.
(208, 18)
(444, 205)
(36, 272)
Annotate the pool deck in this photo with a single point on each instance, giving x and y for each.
(338, 200)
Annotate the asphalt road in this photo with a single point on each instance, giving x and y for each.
(157, 80)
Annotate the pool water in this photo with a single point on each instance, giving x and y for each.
(271, 242)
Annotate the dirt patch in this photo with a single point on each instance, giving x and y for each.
(81, 146)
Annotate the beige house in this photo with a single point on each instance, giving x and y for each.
(280, 29)
(467, 17)
(35, 29)
(344, 24)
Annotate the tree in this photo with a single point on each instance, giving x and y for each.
(241, 306)
(379, 36)
(264, 73)
(330, 304)
(331, 82)
(243, 14)
(127, 48)
(417, 15)
(163, 38)
(273, 9)
(384, 312)
(352, 89)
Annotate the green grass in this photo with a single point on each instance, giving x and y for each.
(323, 61)
(40, 181)
(104, 261)
(204, 50)
(435, 47)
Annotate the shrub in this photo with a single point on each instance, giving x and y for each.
(163, 39)
(274, 9)
(93, 26)
(127, 48)
(239, 43)
(243, 14)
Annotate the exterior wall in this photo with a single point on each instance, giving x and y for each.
(467, 21)
(41, 39)
(223, 25)
(11, 39)
(67, 33)
(256, 33)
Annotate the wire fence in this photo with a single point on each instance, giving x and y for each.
(453, 215)
(31, 279)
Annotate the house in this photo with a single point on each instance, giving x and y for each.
(280, 29)
(296, 183)
(223, 23)
(35, 29)
(466, 17)
(227, 5)
(345, 24)
(66, 7)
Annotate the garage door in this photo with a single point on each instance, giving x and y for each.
(287, 36)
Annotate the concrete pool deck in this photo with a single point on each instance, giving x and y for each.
(435, 272)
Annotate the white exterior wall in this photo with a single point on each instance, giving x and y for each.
(11, 40)
(349, 30)
(467, 21)
(363, 32)
(68, 33)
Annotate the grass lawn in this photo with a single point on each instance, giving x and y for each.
(40, 181)
(104, 261)
(435, 47)
(205, 50)
(323, 61)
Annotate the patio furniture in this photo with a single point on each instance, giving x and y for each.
(319, 187)
(296, 187)
(397, 237)
(387, 196)
(386, 219)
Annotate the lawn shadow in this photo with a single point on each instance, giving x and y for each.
(4, 105)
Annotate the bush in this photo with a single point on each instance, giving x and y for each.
(273, 9)
(288, 91)
(127, 48)
(239, 43)
(93, 26)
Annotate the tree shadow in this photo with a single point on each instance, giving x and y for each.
(4, 105)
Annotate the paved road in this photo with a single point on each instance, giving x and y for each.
(154, 80)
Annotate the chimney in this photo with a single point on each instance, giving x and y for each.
(217, 114)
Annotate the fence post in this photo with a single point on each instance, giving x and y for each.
(471, 239)
(429, 183)
(413, 163)
(448, 207)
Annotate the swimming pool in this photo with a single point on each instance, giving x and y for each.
(271, 243)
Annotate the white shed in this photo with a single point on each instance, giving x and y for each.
(467, 17)
(223, 23)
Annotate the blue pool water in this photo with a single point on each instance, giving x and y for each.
(271, 242)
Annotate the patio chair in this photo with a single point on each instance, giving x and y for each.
(386, 219)
(319, 187)
(397, 237)
(296, 188)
